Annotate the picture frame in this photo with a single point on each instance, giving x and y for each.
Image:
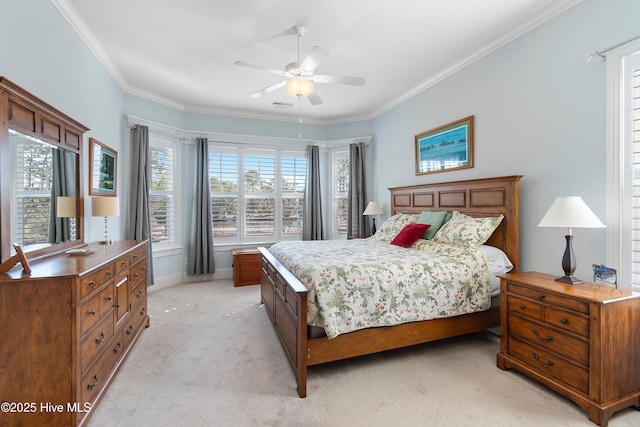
(445, 148)
(103, 169)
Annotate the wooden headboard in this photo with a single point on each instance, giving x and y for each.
(478, 198)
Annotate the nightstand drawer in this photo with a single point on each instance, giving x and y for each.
(568, 321)
(549, 298)
(550, 365)
(525, 307)
(569, 347)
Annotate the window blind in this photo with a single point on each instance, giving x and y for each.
(161, 194)
(635, 230)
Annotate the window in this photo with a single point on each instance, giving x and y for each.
(293, 179)
(256, 195)
(340, 188)
(162, 205)
(623, 186)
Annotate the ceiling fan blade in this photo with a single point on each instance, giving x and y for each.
(268, 89)
(343, 80)
(281, 73)
(314, 99)
(314, 58)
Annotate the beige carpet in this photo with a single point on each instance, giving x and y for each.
(211, 358)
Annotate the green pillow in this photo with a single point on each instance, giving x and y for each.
(435, 218)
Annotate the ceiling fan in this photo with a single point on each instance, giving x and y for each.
(299, 76)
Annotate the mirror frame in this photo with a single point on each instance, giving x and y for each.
(24, 112)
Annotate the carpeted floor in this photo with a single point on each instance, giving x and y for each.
(211, 358)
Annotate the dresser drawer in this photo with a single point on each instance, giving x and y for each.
(549, 365)
(525, 307)
(95, 341)
(138, 254)
(139, 273)
(95, 280)
(138, 294)
(96, 307)
(98, 374)
(122, 263)
(549, 298)
(538, 334)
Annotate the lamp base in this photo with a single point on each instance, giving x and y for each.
(569, 279)
(106, 242)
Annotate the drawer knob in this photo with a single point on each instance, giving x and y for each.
(92, 284)
(117, 348)
(564, 321)
(109, 298)
(521, 306)
(92, 312)
(130, 330)
(91, 386)
(544, 365)
(139, 294)
(542, 297)
(108, 273)
(100, 339)
(549, 337)
(124, 263)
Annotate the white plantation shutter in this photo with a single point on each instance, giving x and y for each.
(340, 192)
(161, 194)
(260, 194)
(294, 175)
(223, 183)
(635, 227)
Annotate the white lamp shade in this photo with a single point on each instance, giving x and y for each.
(299, 87)
(373, 208)
(66, 207)
(105, 206)
(570, 212)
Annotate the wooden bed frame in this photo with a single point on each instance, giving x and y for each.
(285, 298)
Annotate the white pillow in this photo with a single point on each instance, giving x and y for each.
(498, 261)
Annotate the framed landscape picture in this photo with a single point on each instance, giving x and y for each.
(445, 148)
(103, 169)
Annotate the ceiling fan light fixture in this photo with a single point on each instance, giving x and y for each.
(299, 87)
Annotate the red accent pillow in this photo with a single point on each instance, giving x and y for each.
(410, 234)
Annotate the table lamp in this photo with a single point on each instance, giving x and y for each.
(570, 212)
(373, 209)
(106, 207)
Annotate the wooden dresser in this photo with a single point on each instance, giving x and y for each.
(66, 329)
(583, 341)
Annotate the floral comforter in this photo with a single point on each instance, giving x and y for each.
(363, 283)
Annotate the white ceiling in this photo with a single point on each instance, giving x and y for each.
(182, 53)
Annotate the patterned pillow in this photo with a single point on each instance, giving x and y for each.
(392, 226)
(466, 230)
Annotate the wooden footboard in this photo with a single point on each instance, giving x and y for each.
(285, 300)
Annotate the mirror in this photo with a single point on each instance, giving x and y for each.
(44, 207)
(41, 191)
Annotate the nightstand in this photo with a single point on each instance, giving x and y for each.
(582, 341)
(246, 266)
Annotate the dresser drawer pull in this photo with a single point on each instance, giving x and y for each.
(124, 263)
(143, 311)
(109, 298)
(135, 257)
(117, 348)
(564, 321)
(544, 365)
(549, 337)
(522, 307)
(100, 339)
(542, 297)
(92, 284)
(139, 294)
(91, 386)
(92, 312)
(109, 273)
(130, 330)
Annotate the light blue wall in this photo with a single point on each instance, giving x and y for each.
(539, 111)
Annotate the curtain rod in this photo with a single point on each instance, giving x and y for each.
(601, 53)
